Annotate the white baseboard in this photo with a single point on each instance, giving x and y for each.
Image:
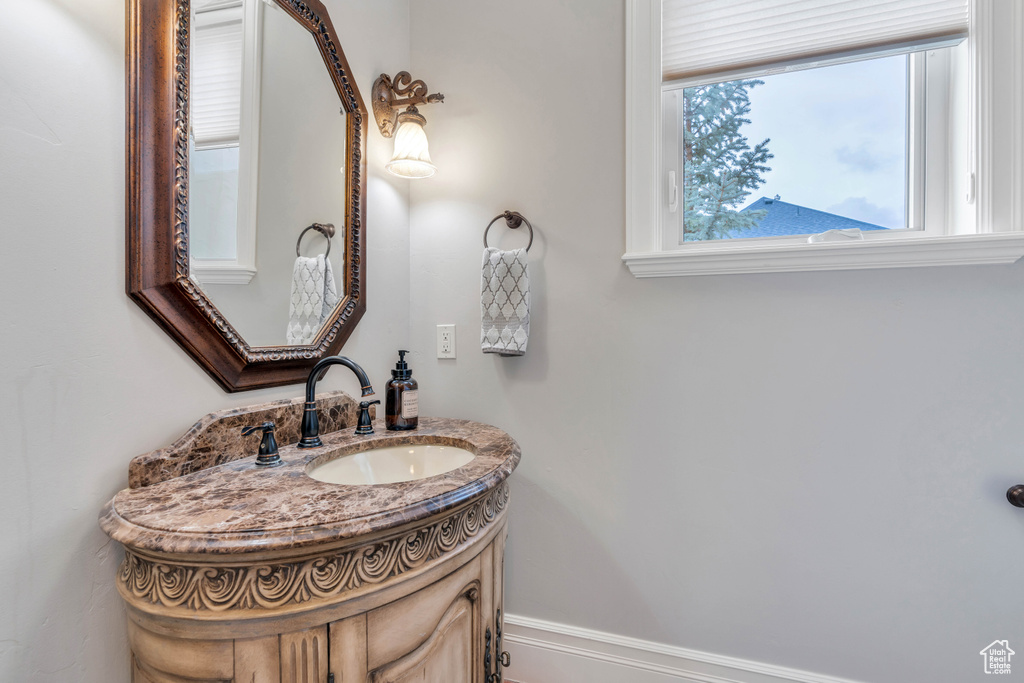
(546, 652)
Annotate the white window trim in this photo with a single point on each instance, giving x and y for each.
(241, 269)
(998, 240)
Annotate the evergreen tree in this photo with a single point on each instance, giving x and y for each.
(720, 169)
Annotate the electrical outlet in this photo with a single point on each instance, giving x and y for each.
(446, 341)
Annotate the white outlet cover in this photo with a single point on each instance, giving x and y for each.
(446, 341)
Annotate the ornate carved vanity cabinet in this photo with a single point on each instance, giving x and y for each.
(265, 575)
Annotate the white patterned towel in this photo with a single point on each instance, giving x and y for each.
(505, 302)
(314, 296)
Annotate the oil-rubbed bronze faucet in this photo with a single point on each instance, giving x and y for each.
(310, 418)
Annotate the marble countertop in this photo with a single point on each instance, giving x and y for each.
(236, 507)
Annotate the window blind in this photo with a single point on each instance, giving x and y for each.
(216, 77)
(706, 37)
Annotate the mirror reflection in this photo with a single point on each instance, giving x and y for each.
(266, 162)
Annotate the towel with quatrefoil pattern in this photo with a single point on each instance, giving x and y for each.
(314, 296)
(505, 302)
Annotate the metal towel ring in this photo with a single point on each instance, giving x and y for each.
(325, 229)
(513, 219)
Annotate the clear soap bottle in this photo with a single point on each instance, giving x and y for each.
(401, 408)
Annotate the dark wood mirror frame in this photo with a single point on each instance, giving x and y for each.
(157, 256)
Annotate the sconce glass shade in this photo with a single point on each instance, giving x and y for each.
(412, 157)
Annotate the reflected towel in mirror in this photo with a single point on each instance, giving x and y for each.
(314, 296)
(505, 302)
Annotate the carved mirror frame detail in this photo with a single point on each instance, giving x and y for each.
(157, 261)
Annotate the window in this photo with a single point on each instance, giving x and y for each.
(777, 136)
(789, 154)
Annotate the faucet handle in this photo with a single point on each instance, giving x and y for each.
(268, 455)
(364, 425)
(266, 426)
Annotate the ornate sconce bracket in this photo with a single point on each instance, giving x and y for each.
(389, 96)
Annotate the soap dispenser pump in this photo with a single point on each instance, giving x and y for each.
(401, 409)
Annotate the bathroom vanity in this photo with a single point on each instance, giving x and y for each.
(238, 573)
(234, 572)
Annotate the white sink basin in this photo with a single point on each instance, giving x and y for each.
(391, 464)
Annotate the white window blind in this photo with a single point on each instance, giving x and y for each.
(706, 37)
(217, 77)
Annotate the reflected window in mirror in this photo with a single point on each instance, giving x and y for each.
(265, 116)
(223, 139)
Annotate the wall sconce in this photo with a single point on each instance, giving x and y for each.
(412, 157)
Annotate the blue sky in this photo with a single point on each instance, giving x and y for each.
(838, 134)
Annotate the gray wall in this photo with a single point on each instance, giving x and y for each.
(88, 381)
(802, 469)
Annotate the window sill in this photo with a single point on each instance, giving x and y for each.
(221, 273)
(792, 257)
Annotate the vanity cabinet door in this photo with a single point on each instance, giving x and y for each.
(432, 635)
(448, 652)
(158, 658)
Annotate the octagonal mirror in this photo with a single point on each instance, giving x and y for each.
(245, 184)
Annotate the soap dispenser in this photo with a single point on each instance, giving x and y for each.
(401, 410)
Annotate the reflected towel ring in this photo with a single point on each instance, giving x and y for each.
(513, 219)
(325, 229)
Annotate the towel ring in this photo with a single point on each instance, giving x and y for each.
(513, 219)
(325, 229)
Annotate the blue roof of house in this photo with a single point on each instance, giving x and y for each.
(784, 218)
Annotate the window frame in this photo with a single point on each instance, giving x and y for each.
(997, 239)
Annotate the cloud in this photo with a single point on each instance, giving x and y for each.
(859, 159)
(859, 208)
